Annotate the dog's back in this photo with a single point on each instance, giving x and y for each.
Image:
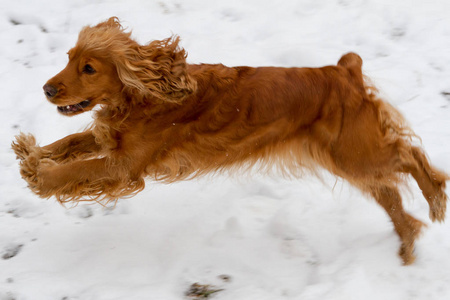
(238, 116)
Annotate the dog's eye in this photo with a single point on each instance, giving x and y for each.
(88, 69)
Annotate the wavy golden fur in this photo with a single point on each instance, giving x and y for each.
(162, 118)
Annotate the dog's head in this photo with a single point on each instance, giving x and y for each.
(107, 67)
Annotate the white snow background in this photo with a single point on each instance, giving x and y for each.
(272, 238)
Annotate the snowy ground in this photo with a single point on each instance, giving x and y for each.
(255, 238)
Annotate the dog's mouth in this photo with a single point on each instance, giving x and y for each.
(73, 109)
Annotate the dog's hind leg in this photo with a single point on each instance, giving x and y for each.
(372, 158)
(381, 181)
(430, 181)
(407, 227)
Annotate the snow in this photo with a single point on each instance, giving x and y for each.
(269, 237)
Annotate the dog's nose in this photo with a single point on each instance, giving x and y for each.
(50, 91)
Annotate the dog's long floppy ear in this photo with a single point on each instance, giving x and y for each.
(157, 70)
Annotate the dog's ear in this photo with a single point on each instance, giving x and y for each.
(158, 70)
(112, 22)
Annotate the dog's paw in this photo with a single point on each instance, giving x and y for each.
(438, 207)
(28, 169)
(24, 145)
(31, 170)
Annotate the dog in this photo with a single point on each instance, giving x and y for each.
(162, 118)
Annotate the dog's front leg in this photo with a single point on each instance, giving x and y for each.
(75, 146)
(78, 145)
(93, 179)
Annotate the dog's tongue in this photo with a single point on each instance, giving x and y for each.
(67, 109)
(74, 108)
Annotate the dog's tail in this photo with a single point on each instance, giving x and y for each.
(391, 120)
(353, 63)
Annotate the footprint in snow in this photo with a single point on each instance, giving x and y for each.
(11, 251)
